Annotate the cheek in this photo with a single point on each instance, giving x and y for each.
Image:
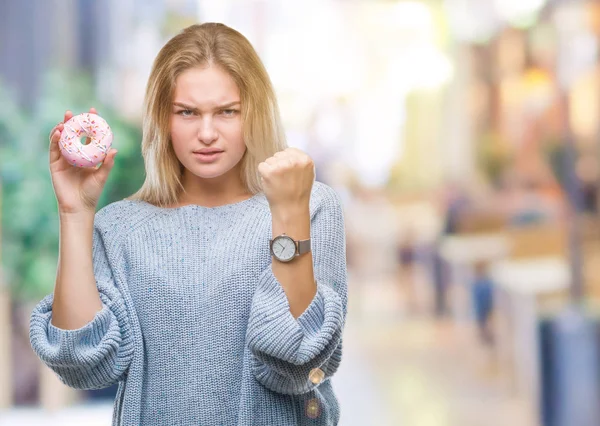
(180, 132)
(234, 135)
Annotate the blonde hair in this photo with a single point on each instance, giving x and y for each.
(202, 45)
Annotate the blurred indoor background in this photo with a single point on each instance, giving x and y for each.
(463, 137)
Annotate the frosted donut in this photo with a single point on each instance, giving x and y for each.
(84, 126)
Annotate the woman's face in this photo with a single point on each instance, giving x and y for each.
(206, 116)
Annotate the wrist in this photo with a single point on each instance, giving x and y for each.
(293, 221)
(287, 212)
(84, 216)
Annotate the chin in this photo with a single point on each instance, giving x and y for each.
(208, 175)
(210, 171)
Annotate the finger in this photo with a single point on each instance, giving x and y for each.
(305, 160)
(54, 148)
(53, 130)
(68, 116)
(107, 165)
(60, 127)
(54, 135)
(264, 169)
(93, 111)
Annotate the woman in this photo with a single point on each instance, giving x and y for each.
(177, 292)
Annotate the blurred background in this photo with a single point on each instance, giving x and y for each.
(463, 137)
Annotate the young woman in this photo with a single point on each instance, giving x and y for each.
(216, 294)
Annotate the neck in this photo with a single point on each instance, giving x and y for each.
(212, 192)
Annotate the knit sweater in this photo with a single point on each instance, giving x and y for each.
(195, 327)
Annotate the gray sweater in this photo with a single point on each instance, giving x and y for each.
(195, 327)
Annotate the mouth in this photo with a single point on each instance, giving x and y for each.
(207, 156)
(208, 151)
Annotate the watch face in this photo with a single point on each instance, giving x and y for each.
(284, 248)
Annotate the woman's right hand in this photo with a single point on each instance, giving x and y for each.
(77, 189)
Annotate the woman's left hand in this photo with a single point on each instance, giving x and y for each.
(287, 179)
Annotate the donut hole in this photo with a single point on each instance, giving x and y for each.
(85, 140)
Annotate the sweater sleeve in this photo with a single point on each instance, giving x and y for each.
(96, 355)
(288, 352)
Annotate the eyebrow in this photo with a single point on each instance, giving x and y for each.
(191, 108)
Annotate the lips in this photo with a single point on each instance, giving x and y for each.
(208, 151)
(209, 157)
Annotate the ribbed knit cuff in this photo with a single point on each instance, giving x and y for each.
(58, 347)
(90, 333)
(273, 330)
(312, 318)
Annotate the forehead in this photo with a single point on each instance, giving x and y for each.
(206, 86)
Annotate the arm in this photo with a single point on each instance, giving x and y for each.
(76, 298)
(287, 348)
(297, 277)
(82, 330)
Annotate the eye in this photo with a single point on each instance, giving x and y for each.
(229, 112)
(185, 112)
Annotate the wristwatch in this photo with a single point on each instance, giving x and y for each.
(284, 248)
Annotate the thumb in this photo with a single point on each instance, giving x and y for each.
(107, 164)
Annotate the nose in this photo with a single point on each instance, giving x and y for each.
(207, 133)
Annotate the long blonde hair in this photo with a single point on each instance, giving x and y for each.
(200, 45)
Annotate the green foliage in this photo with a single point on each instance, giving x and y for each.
(30, 226)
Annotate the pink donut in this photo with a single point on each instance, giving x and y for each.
(84, 126)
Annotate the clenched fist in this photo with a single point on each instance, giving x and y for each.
(287, 178)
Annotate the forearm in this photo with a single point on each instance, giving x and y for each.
(76, 297)
(296, 277)
(292, 354)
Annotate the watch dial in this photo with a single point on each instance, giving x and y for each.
(284, 248)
